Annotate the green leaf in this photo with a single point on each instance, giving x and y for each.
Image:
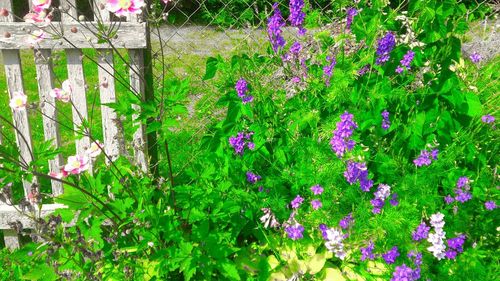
(230, 271)
(211, 68)
(41, 272)
(474, 104)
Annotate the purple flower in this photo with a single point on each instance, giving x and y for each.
(448, 199)
(274, 25)
(488, 119)
(362, 71)
(346, 221)
(384, 48)
(457, 243)
(295, 232)
(423, 159)
(450, 254)
(421, 232)
(241, 89)
(252, 178)
(328, 69)
(240, 141)
(296, 79)
(403, 273)
(406, 61)
(316, 204)
(351, 12)
(385, 122)
(462, 182)
(323, 228)
(367, 252)
(394, 199)
(391, 255)
(317, 189)
(358, 172)
(297, 16)
(297, 202)
(340, 141)
(475, 57)
(382, 193)
(462, 193)
(296, 48)
(434, 154)
(490, 205)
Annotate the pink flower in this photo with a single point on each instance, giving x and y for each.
(95, 149)
(58, 175)
(37, 36)
(40, 5)
(63, 94)
(124, 7)
(77, 164)
(18, 101)
(38, 17)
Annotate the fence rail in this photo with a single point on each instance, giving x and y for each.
(70, 35)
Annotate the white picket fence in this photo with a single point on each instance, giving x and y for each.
(131, 35)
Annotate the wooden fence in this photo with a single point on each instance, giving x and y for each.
(15, 36)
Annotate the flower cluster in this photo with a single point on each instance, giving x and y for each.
(362, 71)
(296, 202)
(384, 48)
(125, 7)
(274, 25)
(382, 193)
(78, 164)
(437, 238)
(328, 69)
(488, 119)
(242, 89)
(462, 192)
(240, 141)
(253, 178)
(351, 12)
(63, 94)
(341, 141)
(391, 255)
(334, 242)
(295, 232)
(406, 61)
(297, 16)
(346, 222)
(421, 233)
(405, 273)
(475, 57)
(356, 171)
(367, 252)
(425, 158)
(316, 190)
(385, 121)
(456, 246)
(490, 205)
(18, 101)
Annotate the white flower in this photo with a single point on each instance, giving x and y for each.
(18, 101)
(335, 243)
(95, 149)
(383, 191)
(77, 164)
(63, 94)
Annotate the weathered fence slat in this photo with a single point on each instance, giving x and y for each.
(14, 75)
(137, 85)
(128, 36)
(45, 78)
(111, 125)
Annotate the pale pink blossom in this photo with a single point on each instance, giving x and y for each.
(95, 149)
(124, 7)
(38, 17)
(40, 5)
(63, 94)
(18, 101)
(37, 36)
(77, 164)
(58, 175)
